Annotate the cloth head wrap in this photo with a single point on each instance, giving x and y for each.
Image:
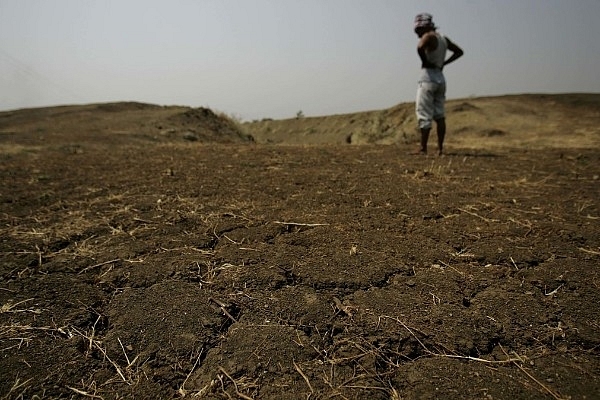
(424, 20)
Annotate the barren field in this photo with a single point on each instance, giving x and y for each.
(159, 252)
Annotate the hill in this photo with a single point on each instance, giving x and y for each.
(122, 122)
(529, 120)
(524, 121)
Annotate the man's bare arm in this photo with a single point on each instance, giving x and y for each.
(457, 52)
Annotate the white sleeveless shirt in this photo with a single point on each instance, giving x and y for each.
(437, 58)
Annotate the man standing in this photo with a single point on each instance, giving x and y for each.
(431, 93)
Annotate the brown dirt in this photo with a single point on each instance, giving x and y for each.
(142, 259)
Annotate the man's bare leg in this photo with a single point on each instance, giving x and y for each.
(424, 140)
(441, 134)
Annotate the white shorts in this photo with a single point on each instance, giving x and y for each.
(430, 103)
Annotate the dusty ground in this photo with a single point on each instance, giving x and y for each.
(138, 260)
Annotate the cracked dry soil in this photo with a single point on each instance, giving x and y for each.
(149, 270)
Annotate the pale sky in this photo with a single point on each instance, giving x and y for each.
(258, 59)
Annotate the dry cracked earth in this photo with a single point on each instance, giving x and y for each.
(133, 268)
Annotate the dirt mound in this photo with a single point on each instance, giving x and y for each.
(464, 106)
(533, 121)
(120, 123)
(202, 124)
